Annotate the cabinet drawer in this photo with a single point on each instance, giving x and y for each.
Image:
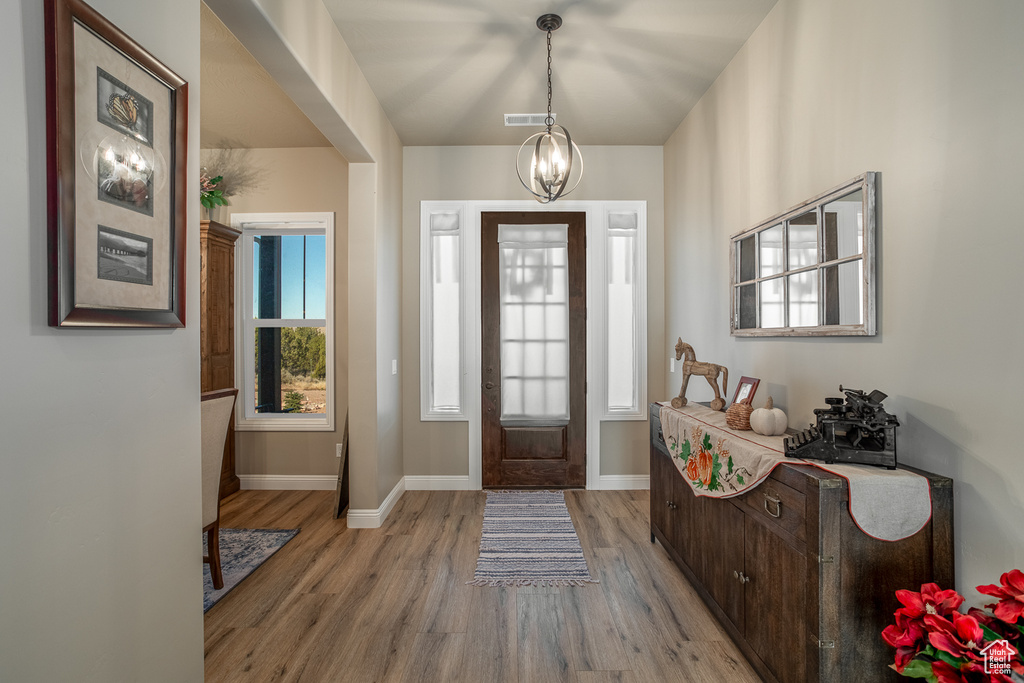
(779, 505)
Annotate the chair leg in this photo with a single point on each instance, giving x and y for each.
(213, 548)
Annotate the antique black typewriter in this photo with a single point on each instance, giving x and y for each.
(852, 430)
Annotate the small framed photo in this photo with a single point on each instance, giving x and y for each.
(116, 133)
(745, 390)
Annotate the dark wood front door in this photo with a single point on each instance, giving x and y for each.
(520, 449)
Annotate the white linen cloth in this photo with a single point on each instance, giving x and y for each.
(720, 462)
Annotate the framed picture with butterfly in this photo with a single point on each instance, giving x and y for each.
(116, 124)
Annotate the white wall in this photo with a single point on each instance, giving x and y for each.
(928, 92)
(301, 179)
(298, 44)
(101, 574)
(488, 173)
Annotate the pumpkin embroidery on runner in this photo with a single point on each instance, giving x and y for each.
(704, 462)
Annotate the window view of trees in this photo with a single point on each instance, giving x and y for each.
(303, 352)
(298, 356)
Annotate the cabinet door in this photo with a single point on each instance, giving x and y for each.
(774, 602)
(721, 544)
(663, 495)
(690, 526)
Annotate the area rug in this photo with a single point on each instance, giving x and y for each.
(529, 540)
(241, 552)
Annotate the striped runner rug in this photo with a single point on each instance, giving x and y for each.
(529, 540)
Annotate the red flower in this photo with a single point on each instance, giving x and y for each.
(946, 673)
(905, 632)
(1010, 594)
(960, 637)
(930, 600)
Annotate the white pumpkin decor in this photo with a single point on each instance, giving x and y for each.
(769, 421)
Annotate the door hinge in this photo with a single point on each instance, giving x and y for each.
(823, 644)
(824, 560)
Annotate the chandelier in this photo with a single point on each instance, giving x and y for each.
(555, 157)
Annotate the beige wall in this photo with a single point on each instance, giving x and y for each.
(300, 47)
(306, 179)
(100, 512)
(928, 93)
(488, 173)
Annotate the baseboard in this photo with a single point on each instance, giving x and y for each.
(438, 483)
(372, 519)
(625, 482)
(288, 482)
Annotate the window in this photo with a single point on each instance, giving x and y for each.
(625, 312)
(285, 336)
(534, 313)
(617, 301)
(442, 308)
(809, 271)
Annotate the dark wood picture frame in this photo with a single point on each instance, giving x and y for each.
(751, 382)
(82, 293)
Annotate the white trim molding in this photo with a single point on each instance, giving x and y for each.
(625, 482)
(414, 482)
(279, 224)
(598, 213)
(372, 519)
(288, 482)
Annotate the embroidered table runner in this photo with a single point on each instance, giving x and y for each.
(721, 463)
(716, 460)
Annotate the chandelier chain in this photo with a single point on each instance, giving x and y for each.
(549, 121)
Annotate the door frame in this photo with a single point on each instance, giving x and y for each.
(474, 406)
(597, 212)
(514, 473)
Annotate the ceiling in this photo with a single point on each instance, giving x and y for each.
(240, 105)
(625, 72)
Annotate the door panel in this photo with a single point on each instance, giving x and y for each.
(531, 337)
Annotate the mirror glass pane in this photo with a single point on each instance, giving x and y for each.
(844, 226)
(803, 299)
(772, 303)
(748, 307)
(770, 244)
(803, 240)
(844, 293)
(745, 255)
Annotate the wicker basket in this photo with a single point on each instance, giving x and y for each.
(738, 416)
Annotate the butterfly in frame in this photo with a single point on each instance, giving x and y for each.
(124, 108)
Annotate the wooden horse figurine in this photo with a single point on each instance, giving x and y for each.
(709, 371)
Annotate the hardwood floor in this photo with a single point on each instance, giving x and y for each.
(392, 604)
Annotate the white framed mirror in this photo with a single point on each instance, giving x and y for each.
(809, 271)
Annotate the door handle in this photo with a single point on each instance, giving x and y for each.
(489, 385)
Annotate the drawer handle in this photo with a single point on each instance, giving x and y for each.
(661, 435)
(778, 506)
(671, 505)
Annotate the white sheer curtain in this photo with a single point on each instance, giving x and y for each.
(534, 320)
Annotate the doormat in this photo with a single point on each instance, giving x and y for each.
(529, 540)
(241, 552)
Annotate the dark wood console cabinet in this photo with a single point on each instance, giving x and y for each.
(217, 326)
(805, 594)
